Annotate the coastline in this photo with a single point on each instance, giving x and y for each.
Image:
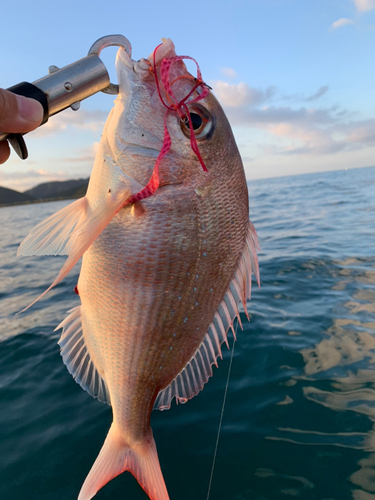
(29, 202)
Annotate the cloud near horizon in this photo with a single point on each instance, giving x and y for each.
(76, 166)
(291, 129)
(22, 180)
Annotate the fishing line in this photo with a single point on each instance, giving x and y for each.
(222, 413)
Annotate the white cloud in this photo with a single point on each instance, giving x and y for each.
(341, 22)
(234, 95)
(262, 117)
(229, 72)
(319, 138)
(364, 5)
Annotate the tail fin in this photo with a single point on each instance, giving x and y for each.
(115, 457)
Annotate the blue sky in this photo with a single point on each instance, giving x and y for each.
(295, 77)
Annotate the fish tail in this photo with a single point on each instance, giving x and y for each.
(116, 456)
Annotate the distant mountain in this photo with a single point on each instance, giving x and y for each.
(74, 192)
(58, 189)
(48, 191)
(12, 197)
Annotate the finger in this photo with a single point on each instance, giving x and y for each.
(4, 151)
(19, 114)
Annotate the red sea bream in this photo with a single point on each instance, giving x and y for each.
(165, 261)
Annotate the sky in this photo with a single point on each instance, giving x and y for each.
(296, 78)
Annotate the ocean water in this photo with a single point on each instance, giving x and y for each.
(300, 410)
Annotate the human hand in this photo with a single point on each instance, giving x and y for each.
(18, 114)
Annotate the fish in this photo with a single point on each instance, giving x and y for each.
(168, 252)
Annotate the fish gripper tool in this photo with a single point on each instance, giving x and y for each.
(68, 86)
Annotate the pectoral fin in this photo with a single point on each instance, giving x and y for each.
(73, 229)
(53, 235)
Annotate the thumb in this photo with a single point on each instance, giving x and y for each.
(19, 114)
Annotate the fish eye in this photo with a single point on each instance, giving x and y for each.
(201, 121)
(196, 121)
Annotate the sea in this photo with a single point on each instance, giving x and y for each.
(298, 420)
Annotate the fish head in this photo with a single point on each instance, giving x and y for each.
(146, 110)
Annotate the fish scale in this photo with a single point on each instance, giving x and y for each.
(161, 278)
(124, 282)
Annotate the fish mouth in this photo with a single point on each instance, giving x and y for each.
(137, 149)
(140, 68)
(144, 67)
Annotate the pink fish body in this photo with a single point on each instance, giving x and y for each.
(161, 278)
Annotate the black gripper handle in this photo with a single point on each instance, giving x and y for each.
(27, 90)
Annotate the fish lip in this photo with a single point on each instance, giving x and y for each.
(140, 68)
(125, 58)
(131, 147)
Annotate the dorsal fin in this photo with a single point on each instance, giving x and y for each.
(77, 358)
(190, 381)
